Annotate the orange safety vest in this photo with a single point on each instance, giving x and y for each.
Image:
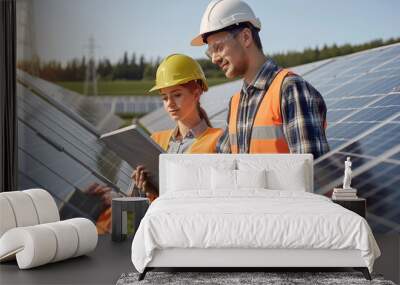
(205, 143)
(267, 131)
(103, 223)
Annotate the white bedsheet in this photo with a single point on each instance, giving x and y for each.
(252, 218)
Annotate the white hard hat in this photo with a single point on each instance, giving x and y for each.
(224, 13)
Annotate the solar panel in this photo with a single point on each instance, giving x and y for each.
(355, 66)
(78, 105)
(349, 103)
(362, 94)
(62, 156)
(310, 67)
(372, 145)
(389, 100)
(157, 120)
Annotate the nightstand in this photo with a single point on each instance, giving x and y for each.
(357, 205)
(120, 206)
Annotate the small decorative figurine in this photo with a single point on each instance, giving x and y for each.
(347, 174)
(347, 192)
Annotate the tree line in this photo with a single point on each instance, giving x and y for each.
(130, 67)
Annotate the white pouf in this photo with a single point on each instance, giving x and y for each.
(31, 230)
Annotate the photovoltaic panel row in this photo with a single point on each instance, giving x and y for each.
(65, 132)
(377, 181)
(343, 69)
(60, 155)
(376, 171)
(79, 105)
(361, 120)
(363, 99)
(157, 120)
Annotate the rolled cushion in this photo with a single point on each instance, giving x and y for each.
(33, 246)
(45, 205)
(7, 218)
(87, 235)
(66, 238)
(40, 244)
(23, 208)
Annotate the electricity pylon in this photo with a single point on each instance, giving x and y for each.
(26, 38)
(90, 87)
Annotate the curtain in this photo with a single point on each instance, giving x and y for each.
(8, 100)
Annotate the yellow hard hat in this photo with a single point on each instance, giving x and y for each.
(178, 69)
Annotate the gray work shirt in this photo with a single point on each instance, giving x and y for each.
(182, 145)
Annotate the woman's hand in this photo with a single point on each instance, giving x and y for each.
(140, 178)
(103, 191)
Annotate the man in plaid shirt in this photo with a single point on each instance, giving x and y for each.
(231, 31)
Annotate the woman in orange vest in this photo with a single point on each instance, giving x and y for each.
(180, 81)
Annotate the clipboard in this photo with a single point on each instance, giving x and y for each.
(133, 145)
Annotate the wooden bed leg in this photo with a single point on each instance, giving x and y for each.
(143, 274)
(364, 271)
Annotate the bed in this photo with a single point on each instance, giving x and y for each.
(242, 211)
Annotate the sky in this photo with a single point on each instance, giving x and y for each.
(156, 28)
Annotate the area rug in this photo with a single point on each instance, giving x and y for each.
(230, 278)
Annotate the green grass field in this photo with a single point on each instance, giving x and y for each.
(123, 87)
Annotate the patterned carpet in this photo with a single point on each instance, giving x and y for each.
(230, 278)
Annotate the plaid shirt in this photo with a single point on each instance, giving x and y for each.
(303, 113)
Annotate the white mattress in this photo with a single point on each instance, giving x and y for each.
(251, 219)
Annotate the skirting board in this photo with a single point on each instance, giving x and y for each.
(189, 257)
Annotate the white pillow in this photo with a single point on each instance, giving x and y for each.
(223, 179)
(251, 178)
(227, 179)
(292, 179)
(183, 177)
(281, 174)
(190, 176)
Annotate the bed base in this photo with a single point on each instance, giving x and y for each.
(238, 259)
(363, 270)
